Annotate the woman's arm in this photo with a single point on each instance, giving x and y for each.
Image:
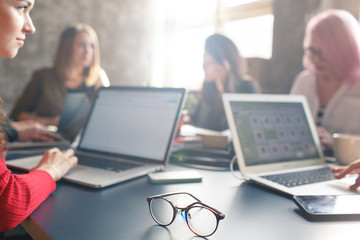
(22, 116)
(21, 194)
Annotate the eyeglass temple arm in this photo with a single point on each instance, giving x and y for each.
(174, 193)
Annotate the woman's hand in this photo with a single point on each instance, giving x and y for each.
(57, 163)
(216, 72)
(353, 168)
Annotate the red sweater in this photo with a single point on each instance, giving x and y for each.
(21, 194)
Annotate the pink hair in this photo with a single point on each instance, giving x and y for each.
(338, 33)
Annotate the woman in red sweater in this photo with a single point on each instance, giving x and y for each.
(20, 195)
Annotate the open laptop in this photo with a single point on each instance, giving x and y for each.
(128, 134)
(275, 138)
(75, 110)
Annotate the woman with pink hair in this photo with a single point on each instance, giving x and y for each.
(331, 80)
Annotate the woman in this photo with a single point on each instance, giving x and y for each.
(222, 69)
(20, 195)
(331, 81)
(76, 69)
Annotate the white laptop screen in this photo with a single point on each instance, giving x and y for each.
(273, 132)
(132, 122)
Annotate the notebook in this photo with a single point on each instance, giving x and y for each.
(75, 110)
(128, 134)
(275, 141)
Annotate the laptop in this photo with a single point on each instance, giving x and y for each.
(75, 110)
(276, 144)
(128, 134)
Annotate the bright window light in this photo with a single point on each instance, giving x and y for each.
(253, 36)
(188, 57)
(182, 27)
(231, 3)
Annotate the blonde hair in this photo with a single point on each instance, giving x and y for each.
(64, 55)
(3, 135)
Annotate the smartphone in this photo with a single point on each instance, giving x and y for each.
(175, 176)
(341, 206)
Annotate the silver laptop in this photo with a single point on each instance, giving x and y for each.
(128, 134)
(75, 110)
(276, 144)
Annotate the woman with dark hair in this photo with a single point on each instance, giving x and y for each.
(21, 194)
(331, 80)
(222, 69)
(76, 69)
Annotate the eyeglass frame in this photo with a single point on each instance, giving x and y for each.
(219, 215)
(314, 52)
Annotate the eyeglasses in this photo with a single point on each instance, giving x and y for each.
(202, 219)
(314, 52)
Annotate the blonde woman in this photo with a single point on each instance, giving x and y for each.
(76, 69)
(21, 194)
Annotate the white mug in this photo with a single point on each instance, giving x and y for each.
(346, 148)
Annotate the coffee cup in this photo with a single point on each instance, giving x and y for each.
(346, 148)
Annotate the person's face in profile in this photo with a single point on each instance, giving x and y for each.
(15, 23)
(213, 70)
(322, 69)
(83, 50)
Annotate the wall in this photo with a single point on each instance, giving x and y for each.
(123, 28)
(286, 61)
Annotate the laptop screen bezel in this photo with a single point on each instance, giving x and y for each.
(229, 98)
(163, 161)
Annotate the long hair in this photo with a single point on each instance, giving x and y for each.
(222, 48)
(64, 55)
(3, 136)
(338, 34)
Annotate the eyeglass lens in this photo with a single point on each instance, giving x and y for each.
(162, 211)
(201, 220)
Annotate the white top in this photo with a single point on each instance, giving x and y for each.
(342, 114)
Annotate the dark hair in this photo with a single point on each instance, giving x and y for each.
(222, 48)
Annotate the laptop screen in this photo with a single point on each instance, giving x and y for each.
(73, 115)
(273, 132)
(136, 122)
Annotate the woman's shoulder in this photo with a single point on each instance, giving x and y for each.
(304, 75)
(46, 78)
(303, 82)
(44, 73)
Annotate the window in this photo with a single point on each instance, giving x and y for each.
(253, 36)
(184, 25)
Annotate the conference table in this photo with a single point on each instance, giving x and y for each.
(121, 212)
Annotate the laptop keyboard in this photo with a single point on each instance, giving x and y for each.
(301, 178)
(105, 164)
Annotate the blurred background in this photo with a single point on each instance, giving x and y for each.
(160, 42)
